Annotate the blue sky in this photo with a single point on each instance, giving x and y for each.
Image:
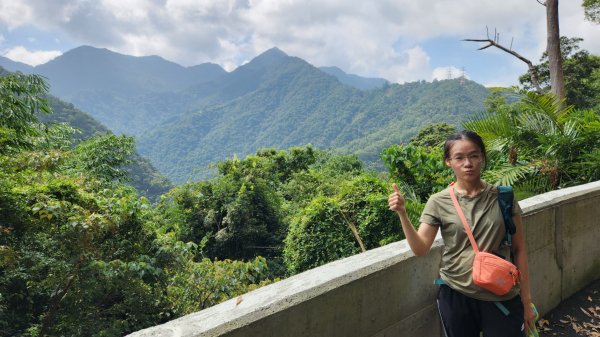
(400, 40)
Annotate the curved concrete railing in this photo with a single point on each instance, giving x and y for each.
(389, 292)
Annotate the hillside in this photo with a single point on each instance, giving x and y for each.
(185, 119)
(298, 104)
(13, 66)
(125, 93)
(144, 177)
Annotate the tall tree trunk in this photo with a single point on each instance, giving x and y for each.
(557, 80)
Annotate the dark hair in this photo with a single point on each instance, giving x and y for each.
(464, 135)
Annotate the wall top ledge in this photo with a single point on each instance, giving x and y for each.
(533, 204)
(250, 307)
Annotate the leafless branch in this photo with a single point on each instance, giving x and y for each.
(494, 42)
(543, 3)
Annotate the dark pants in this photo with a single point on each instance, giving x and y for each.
(463, 316)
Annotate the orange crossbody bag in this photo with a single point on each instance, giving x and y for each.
(490, 272)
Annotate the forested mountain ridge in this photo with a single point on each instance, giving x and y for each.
(298, 104)
(142, 174)
(274, 100)
(125, 93)
(88, 68)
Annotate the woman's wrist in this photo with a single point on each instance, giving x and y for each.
(401, 211)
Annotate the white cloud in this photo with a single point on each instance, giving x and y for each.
(14, 13)
(33, 58)
(370, 38)
(406, 66)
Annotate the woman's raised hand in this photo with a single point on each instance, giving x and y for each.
(396, 200)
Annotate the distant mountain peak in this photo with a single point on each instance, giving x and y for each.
(274, 52)
(271, 55)
(85, 49)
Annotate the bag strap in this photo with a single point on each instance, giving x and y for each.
(461, 215)
(505, 199)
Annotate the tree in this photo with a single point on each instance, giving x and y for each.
(80, 253)
(318, 235)
(495, 42)
(22, 98)
(592, 10)
(552, 49)
(103, 157)
(434, 134)
(539, 144)
(322, 231)
(197, 285)
(75, 257)
(555, 62)
(582, 74)
(419, 171)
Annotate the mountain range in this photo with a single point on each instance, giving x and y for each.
(186, 118)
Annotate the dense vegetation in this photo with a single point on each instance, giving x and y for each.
(141, 173)
(82, 253)
(79, 252)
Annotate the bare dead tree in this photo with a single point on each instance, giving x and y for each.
(495, 43)
(555, 64)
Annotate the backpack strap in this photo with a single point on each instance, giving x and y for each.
(505, 199)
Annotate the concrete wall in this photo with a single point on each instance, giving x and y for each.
(389, 292)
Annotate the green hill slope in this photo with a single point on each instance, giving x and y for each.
(144, 177)
(293, 104)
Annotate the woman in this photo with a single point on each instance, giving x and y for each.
(465, 308)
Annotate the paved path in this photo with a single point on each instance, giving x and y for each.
(578, 315)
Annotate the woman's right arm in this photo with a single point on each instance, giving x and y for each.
(420, 241)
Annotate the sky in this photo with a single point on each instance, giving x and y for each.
(399, 40)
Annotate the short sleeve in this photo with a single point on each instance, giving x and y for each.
(431, 213)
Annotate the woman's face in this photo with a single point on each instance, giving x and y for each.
(465, 160)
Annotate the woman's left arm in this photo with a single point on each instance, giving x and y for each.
(520, 254)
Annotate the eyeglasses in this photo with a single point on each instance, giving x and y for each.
(473, 158)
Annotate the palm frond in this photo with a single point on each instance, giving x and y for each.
(534, 184)
(490, 126)
(506, 174)
(547, 104)
(571, 129)
(497, 144)
(538, 123)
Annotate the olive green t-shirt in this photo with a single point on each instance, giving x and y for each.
(485, 219)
